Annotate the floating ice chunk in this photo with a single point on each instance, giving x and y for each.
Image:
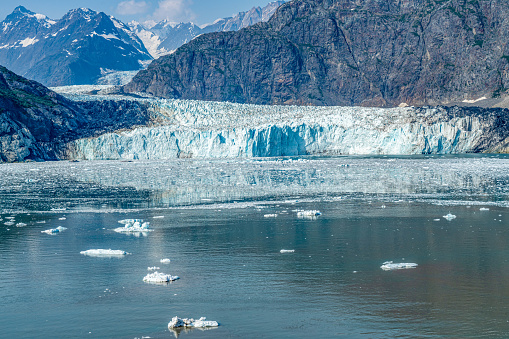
(133, 226)
(165, 261)
(311, 214)
(436, 219)
(104, 253)
(41, 222)
(157, 277)
(449, 217)
(59, 229)
(10, 218)
(129, 221)
(389, 266)
(484, 209)
(9, 223)
(21, 224)
(287, 251)
(158, 217)
(63, 218)
(270, 215)
(185, 322)
(153, 268)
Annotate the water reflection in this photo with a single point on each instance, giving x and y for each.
(159, 184)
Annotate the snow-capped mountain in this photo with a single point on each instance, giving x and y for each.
(164, 37)
(77, 49)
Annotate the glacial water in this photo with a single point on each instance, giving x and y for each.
(214, 220)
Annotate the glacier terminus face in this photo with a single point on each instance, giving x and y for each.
(198, 129)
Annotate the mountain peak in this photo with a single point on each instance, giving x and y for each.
(22, 10)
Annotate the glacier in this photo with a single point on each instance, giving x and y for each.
(199, 129)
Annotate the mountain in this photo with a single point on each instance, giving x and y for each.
(346, 52)
(77, 49)
(36, 123)
(164, 37)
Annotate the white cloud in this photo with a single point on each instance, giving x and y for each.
(132, 7)
(174, 10)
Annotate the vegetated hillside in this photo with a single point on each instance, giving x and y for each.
(35, 122)
(77, 49)
(346, 52)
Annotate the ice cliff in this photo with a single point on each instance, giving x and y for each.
(198, 129)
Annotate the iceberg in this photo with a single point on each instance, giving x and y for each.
(104, 253)
(157, 277)
(133, 226)
(165, 261)
(287, 251)
(311, 214)
(177, 322)
(59, 229)
(449, 217)
(389, 266)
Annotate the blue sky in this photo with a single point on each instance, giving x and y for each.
(198, 11)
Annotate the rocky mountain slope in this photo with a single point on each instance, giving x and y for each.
(35, 122)
(164, 37)
(77, 49)
(346, 52)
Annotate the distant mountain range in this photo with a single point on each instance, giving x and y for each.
(88, 47)
(161, 38)
(346, 52)
(77, 49)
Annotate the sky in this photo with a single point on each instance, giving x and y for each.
(197, 11)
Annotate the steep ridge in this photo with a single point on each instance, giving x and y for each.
(164, 37)
(346, 52)
(77, 49)
(35, 123)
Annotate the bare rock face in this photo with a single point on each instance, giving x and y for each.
(346, 52)
(35, 122)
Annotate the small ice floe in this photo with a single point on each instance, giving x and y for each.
(270, 215)
(153, 268)
(41, 222)
(389, 266)
(158, 217)
(133, 226)
(287, 251)
(449, 217)
(157, 277)
(484, 209)
(165, 261)
(436, 219)
(63, 218)
(57, 230)
(59, 209)
(104, 253)
(9, 223)
(311, 214)
(177, 322)
(21, 224)
(10, 218)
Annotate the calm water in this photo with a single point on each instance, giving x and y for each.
(227, 253)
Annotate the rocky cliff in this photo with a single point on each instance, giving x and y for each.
(346, 52)
(35, 122)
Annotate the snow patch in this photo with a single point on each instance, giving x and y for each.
(28, 41)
